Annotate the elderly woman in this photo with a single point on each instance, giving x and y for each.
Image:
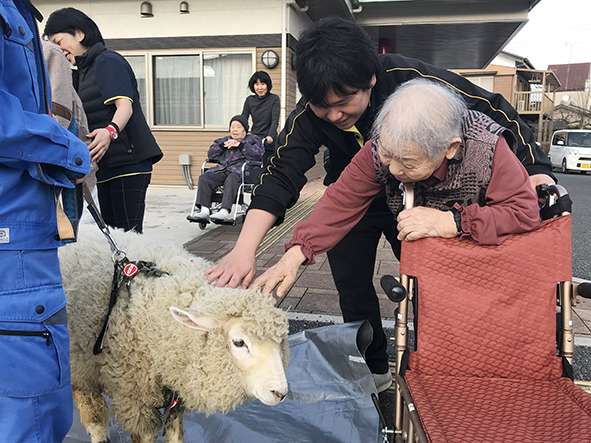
(467, 181)
(230, 152)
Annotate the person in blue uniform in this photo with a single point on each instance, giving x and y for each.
(38, 159)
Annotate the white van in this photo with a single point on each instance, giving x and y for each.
(570, 150)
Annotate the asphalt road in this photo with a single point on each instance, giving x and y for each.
(579, 188)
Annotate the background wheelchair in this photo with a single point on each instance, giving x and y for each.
(249, 173)
(487, 365)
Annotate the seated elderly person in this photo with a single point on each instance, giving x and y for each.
(230, 152)
(467, 181)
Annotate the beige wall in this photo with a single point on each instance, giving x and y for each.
(503, 78)
(121, 19)
(174, 143)
(504, 86)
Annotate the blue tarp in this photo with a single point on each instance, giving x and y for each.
(329, 400)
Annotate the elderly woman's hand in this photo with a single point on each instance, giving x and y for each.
(283, 274)
(421, 222)
(231, 143)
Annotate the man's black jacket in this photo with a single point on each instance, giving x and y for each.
(304, 134)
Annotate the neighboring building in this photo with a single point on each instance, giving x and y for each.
(573, 98)
(573, 76)
(193, 58)
(531, 91)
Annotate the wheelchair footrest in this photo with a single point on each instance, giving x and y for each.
(239, 218)
(195, 219)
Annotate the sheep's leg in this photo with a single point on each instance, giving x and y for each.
(142, 421)
(93, 415)
(174, 429)
(136, 438)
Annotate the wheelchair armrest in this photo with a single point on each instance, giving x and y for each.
(206, 162)
(249, 164)
(554, 201)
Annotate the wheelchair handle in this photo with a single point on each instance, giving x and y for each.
(553, 200)
(392, 288)
(546, 190)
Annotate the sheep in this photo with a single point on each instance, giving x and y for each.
(215, 347)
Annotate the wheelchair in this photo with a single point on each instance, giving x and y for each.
(486, 365)
(249, 173)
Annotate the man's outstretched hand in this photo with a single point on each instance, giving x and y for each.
(236, 269)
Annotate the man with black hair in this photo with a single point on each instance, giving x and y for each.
(38, 161)
(344, 84)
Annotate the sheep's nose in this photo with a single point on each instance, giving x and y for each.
(279, 395)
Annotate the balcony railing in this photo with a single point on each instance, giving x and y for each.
(532, 102)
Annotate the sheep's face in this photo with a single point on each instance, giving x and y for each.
(260, 362)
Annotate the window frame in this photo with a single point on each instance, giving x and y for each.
(149, 73)
(141, 54)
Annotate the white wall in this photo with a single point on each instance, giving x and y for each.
(504, 60)
(576, 98)
(121, 19)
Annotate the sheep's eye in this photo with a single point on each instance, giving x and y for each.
(238, 343)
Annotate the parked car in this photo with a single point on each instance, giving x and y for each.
(570, 150)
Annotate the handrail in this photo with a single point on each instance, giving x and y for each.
(532, 101)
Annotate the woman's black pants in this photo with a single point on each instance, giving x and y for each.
(123, 201)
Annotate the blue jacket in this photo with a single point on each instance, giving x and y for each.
(37, 156)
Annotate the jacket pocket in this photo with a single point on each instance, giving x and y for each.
(34, 344)
(30, 363)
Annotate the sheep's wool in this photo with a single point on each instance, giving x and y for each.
(145, 348)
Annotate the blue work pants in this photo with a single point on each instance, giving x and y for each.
(35, 392)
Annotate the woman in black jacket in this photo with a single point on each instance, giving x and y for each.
(121, 141)
(263, 107)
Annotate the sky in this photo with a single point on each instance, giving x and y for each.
(558, 31)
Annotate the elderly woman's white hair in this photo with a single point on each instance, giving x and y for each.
(421, 115)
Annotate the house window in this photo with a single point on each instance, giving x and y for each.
(485, 82)
(138, 65)
(185, 89)
(225, 81)
(177, 90)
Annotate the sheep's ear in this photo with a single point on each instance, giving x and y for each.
(193, 319)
